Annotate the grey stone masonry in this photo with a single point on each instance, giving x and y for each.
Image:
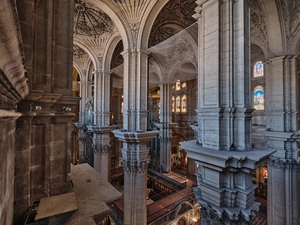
(102, 151)
(223, 150)
(135, 159)
(283, 136)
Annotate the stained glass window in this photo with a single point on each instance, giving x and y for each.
(177, 85)
(258, 70)
(259, 102)
(173, 104)
(183, 103)
(178, 104)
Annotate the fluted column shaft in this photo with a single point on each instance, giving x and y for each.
(282, 135)
(223, 150)
(165, 128)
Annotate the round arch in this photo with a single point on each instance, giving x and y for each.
(108, 7)
(109, 50)
(90, 53)
(275, 32)
(185, 66)
(148, 22)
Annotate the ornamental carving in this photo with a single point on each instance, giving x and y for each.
(211, 215)
(259, 29)
(290, 17)
(79, 53)
(101, 149)
(133, 10)
(277, 163)
(135, 166)
(89, 20)
(134, 27)
(176, 13)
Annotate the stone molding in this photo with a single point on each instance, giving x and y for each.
(131, 166)
(89, 20)
(277, 163)
(215, 216)
(101, 149)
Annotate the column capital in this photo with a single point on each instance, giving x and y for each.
(101, 149)
(131, 137)
(102, 129)
(279, 163)
(131, 166)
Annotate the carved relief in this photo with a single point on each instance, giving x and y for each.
(135, 166)
(259, 29)
(101, 149)
(177, 49)
(176, 12)
(290, 17)
(132, 10)
(134, 27)
(89, 20)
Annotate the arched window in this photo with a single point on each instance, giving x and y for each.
(258, 70)
(177, 85)
(173, 104)
(183, 103)
(259, 101)
(178, 104)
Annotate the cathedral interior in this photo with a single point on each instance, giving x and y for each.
(153, 112)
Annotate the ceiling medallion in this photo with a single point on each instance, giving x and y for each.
(90, 20)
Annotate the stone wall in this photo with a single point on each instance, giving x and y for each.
(7, 136)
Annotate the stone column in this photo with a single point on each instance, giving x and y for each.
(135, 160)
(82, 138)
(82, 113)
(165, 128)
(134, 136)
(282, 135)
(223, 149)
(98, 97)
(102, 151)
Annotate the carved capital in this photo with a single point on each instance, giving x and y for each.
(135, 166)
(101, 149)
(278, 163)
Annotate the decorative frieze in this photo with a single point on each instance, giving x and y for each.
(135, 166)
(89, 20)
(101, 149)
(279, 163)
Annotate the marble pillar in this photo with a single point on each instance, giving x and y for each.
(283, 136)
(223, 149)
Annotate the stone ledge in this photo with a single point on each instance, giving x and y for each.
(92, 192)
